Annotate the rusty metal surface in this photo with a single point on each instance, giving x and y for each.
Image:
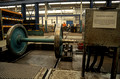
(101, 36)
(20, 71)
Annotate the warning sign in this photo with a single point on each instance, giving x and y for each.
(103, 19)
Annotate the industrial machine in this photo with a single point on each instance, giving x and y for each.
(102, 30)
(17, 39)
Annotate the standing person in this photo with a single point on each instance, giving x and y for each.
(64, 26)
(68, 27)
(54, 26)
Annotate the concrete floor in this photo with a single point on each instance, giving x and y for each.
(47, 59)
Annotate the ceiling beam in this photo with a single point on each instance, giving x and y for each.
(19, 2)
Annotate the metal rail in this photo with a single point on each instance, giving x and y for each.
(57, 62)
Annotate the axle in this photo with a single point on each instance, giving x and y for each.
(48, 40)
(37, 40)
(17, 39)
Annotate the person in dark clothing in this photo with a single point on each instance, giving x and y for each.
(54, 25)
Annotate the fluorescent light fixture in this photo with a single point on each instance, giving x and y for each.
(53, 3)
(52, 11)
(99, 2)
(41, 4)
(10, 6)
(115, 1)
(85, 2)
(3, 7)
(30, 5)
(68, 2)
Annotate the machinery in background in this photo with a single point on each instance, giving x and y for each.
(33, 28)
(73, 28)
(67, 52)
(8, 19)
(50, 28)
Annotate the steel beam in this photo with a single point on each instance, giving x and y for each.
(6, 3)
(56, 15)
(108, 3)
(91, 3)
(23, 10)
(16, 2)
(46, 5)
(37, 16)
(81, 17)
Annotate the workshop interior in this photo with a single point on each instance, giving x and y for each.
(59, 39)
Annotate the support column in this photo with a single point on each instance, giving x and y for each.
(91, 3)
(15, 8)
(23, 11)
(84, 50)
(108, 2)
(37, 16)
(81, 17)
(42, 20)
(46, 17)
(56, 19)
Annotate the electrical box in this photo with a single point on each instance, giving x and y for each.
(102, 27)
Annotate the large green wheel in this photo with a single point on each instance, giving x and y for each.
(58, 45)
(13, 39)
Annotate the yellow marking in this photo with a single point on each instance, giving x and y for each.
(11, 11)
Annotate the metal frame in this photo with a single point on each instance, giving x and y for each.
(108, 3)
(23, 10)
(30, 14)
(57, 17)
(91, 3)
(36, 7)
(16, 2)
(37, 15)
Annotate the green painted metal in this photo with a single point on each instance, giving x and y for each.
(45, 25)
(61, 43)
(58, 44)
(17, 39)
(36, 40)
(36, 33)
(13, 43)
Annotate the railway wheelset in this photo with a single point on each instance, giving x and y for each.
(17, 39)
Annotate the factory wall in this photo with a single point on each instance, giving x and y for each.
(62, 19)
